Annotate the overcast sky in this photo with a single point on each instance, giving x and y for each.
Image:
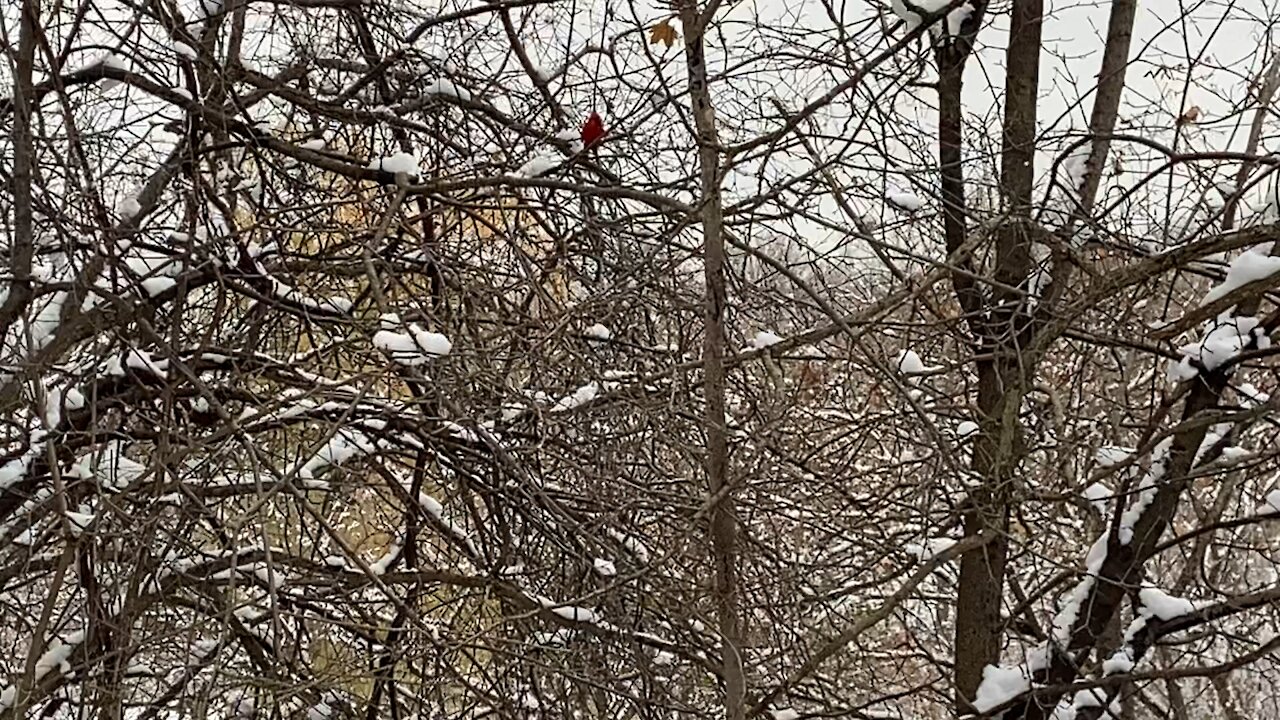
(1225, 41)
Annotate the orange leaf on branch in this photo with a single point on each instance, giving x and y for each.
(664, 33)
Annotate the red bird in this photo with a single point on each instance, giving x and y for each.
(592, 130)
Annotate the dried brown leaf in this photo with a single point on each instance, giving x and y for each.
(664, 33)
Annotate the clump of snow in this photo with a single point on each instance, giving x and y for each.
(1251, 396)
(73, 399)
(1256, 263)
(16, 469)
(272, 577)
(581, 396)
(909, 363)
(953, 23)
(912, 19)
(58, 654)
(52, 411)
(345, 445)
(143, 360)
(1091, 698)
(905, 201)
(320, 711)
(1164, 606)
(184, 50)
(398, 163)
(412, 347)
(288, 293)
(571, 613)
(599, 332)
(1069, 610)
(27, 537)
(966, 428)
(764, 339)
(567, 135)
(1000, 684)
(1233, 455)
(383, 563)
(930, 548)
(605, 568)
(1180, 371)
(313, 144)
(1226, 337)
(956, 19)
(1097, 495)
(1076, 165)
(1147, 490)
(433, 508)
(157, 285)
(784, 714)
(447, 88)
(56, 657)
(1119, 662)
(539, 165)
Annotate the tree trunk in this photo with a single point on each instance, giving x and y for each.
(1005, 369)
(723, 518)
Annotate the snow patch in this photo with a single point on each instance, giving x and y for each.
(1226, 337)
(764, 339)
(539, 165)
(1164, 606)
(447, 88)
(909, 363)
(930, 548)
(571, 613)
(1000, 684)
(905, 201)
(398, 163)
(1256, 263)
(412, 347)
(1097, 495)
(577, 398)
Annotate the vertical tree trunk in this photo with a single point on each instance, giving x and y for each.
(723, 519)
(1005, 370)
(23, 250)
